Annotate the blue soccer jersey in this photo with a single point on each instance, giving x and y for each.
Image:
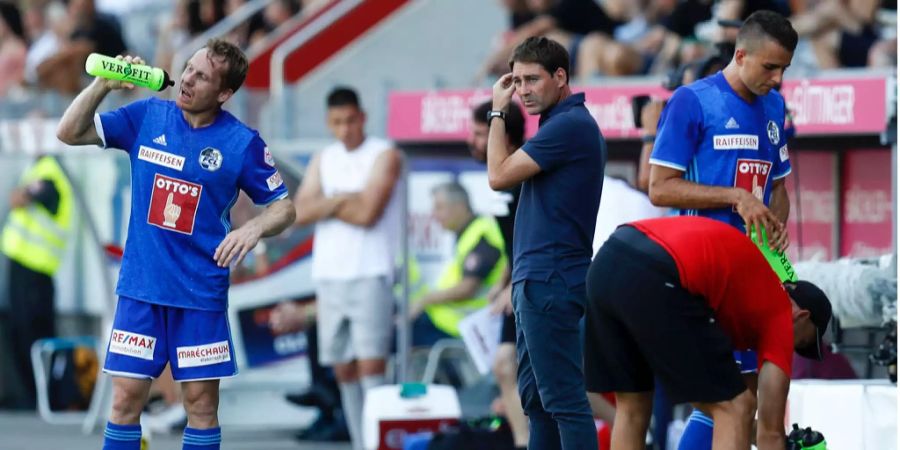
(184, 182)
(719, 139)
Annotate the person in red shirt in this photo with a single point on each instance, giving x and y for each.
(671, 298)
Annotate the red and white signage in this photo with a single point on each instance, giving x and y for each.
(812, 221)
(173, 204)
(852, 105)
(867, 213)
(203, 355)
(132, 344)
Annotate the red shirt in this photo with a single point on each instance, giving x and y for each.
(721, 264)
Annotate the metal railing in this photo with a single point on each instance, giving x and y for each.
(282, 52)
(222, 27)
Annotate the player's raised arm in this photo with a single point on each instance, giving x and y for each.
(77, 124)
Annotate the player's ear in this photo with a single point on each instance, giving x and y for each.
(739, 55)
(224, 95)
(561, 77)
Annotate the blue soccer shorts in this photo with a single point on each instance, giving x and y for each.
(746, 360)
(146, 336)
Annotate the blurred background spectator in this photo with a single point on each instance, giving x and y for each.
(12, 48)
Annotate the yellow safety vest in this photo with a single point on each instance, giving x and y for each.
(33, 237)
(446, 316)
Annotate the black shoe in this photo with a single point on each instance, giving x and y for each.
(309, 398)
(325, 430)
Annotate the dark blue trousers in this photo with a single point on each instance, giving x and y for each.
(551, 380)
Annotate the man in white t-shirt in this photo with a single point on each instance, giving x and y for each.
(351, 193)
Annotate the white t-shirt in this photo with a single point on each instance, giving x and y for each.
(621, 203)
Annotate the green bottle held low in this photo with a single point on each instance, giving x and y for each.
(116, 69)
(777, 259)
(805, 439)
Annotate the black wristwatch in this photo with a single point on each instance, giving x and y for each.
(495, 113)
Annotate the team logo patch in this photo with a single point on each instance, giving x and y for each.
(752, 175)
(773, 132)
(160, 158)
(210, 159)
(173, 204)
(203, 355)
(132, 344)
(783, 153)
(270, 160)
(736, 142)
(274, 181)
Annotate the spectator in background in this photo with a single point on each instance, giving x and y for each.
(296, 316)
(46, 27)
(174, 34)
(504, 209)
(242, 34)
(91, 32)
(349, 194)
(478, 263)
(12, 48)
(581, 26)
(34, 241)
(277, 14)
(843, 32)
(203, 14)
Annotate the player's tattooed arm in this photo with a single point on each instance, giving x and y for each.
(273, 220)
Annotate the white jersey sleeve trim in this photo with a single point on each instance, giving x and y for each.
(778, 177)
(283, 196)
(671, 165)
(98, 125)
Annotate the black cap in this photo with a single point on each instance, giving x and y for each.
(809, 297)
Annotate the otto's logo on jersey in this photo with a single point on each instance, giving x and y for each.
(736, 142)
(173, 204)
(752, 175)
(210, 159)
(203, 355)
(132, 344)
(773, 132)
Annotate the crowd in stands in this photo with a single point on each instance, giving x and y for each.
(44, 43)
(652, 37)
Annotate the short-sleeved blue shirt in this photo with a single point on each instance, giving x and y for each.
(719, 139)
(558, 207)
(184, 182)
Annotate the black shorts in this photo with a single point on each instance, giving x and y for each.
(641, 323)
(508, 332)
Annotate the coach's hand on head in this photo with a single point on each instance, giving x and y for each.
(503, 92)
(757, 215)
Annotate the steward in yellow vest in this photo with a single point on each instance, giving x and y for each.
(477, 264)
(34, 240)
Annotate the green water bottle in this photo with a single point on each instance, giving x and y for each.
(116, 69)
(805, 439)
(777, 259)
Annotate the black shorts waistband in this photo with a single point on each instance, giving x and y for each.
(630, 239)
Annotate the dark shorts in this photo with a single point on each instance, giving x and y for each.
(641, 323)
(508, 332)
